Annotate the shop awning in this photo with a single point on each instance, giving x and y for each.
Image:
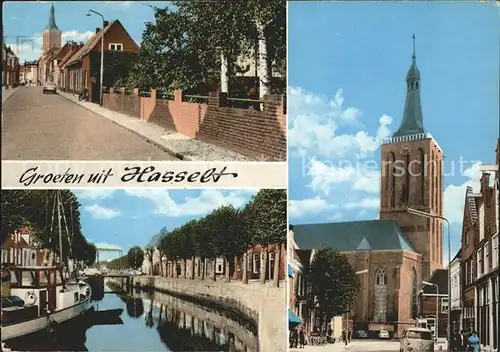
(290, 271)
(293, 319)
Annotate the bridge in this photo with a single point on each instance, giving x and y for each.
(107, 249)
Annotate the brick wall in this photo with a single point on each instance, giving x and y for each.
(256, 134)
(128, 104)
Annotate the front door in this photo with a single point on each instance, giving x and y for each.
(95, 91)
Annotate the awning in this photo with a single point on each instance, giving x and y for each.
(293, 319)
(290, 271)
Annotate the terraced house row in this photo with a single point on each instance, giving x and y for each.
(10, 67)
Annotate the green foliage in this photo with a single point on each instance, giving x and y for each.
(334, 285)
(117, 67)
(135, 257)
(267, 216)
(36, 209)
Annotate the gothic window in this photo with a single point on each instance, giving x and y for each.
(392, 178)
(416, 85)
(380, 295)
(414, 293)
(407, 179)
(423, 171)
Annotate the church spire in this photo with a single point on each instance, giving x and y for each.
(52, 19)
(413, 122)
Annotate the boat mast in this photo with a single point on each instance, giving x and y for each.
(59, 227)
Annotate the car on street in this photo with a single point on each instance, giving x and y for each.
(49, 87)
(91, 272)
(417, 340)
(362, 334)
(384, 334)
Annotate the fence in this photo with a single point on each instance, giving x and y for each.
(217, 119)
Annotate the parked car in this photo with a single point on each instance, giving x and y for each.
(362, 334)
(417, 340)
(91, 272)
(384, 334)
(49, 87)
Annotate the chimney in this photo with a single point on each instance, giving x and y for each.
(106, 23)
(97, 30)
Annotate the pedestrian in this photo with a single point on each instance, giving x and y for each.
(474, 342)
(463, 340)
(295, 338)
(456, 342)
(302, 338)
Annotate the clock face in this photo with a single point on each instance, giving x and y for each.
(405, 149)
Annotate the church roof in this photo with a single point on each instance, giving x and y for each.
(52, 20)
(413, 121)
(353, 236)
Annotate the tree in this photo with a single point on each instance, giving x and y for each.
(267, 219)
(135, 257)
(334, 285)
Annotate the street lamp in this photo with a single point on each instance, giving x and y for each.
(360, 272)
(436, 327)
(430, 216)
(102, 52)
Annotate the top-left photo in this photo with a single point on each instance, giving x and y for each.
(137, 81)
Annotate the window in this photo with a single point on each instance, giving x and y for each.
(256, 263)
(116, 47)
(486, 257)
(481, 223)
(494, 254)
(219, 266)
(444, 305)
(480, 262)
(380, 295)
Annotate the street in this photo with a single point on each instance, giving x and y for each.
(37, 126)
(354, 346)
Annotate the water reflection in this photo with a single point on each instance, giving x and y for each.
(149, 322)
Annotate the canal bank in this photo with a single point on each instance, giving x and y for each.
(262, 303)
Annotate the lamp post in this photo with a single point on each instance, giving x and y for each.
(102, 53)
(431, 216)
(361, 272)
(436, 327)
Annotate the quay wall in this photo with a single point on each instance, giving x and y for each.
(262, 303)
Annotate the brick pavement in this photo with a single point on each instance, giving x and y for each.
(38, 126)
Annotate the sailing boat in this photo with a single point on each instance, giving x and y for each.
(38, 298)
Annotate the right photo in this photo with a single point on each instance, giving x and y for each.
(393, 142)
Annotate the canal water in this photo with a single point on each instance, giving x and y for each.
(149, 322)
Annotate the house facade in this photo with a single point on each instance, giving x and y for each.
(20, 249)
(433, 302)
(456, 293)
(10, 68)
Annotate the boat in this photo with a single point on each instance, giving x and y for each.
(40, 299)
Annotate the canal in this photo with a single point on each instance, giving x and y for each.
(150, 321)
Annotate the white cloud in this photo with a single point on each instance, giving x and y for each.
(315, 122)
(117, 4)
(300, 208)
(100, 212)
(94, 193)
(367, 203)
(207, 201)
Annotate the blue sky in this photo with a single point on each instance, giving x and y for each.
(28, 19)
(124, 218)
(347, 69)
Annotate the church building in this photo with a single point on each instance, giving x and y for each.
(395, 253)
(51, 44)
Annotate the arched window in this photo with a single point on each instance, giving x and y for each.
(422, 174)
(380, 295)
(416, 85)
(406, 195)
(414, 293)
(392, 178)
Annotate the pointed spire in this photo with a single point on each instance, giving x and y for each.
(413, 122)
(52, 19)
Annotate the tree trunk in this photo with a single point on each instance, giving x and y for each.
(245, 266)
(224, 73)
(185, 268)
(263, 267)
(228, 267)
(192, 267)
(174, 268)
(277, 257)
(161, 264)
(203, 265)
(214, 266)
(263, 68)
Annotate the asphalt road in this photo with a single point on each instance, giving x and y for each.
(37, 126)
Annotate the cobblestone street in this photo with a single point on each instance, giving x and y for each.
(38, 126)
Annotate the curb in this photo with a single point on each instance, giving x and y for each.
(10, 96)
(179, 156)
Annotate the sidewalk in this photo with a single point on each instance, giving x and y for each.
(174, 143)
(7, 93)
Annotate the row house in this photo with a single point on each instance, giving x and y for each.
(79, 74)
(433, 303)
(20, 249)
(29, 72)
(10, 67)
(456, 292)
(479, 259)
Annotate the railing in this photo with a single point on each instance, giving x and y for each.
(144, 93)
(164, 95)
(191, 98)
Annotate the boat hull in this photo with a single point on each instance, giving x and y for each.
(18, 329)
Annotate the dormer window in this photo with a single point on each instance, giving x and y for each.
(116, 46)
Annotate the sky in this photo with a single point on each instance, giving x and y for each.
(347, 65)
(125, 218)
(28, 19)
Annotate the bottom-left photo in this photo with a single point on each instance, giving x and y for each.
(144, 270)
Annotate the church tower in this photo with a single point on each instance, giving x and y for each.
(51, 33)
(412, 168)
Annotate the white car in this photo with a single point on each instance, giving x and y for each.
(384, 334)
(49, 87)
(417, 340)
(91, 272)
